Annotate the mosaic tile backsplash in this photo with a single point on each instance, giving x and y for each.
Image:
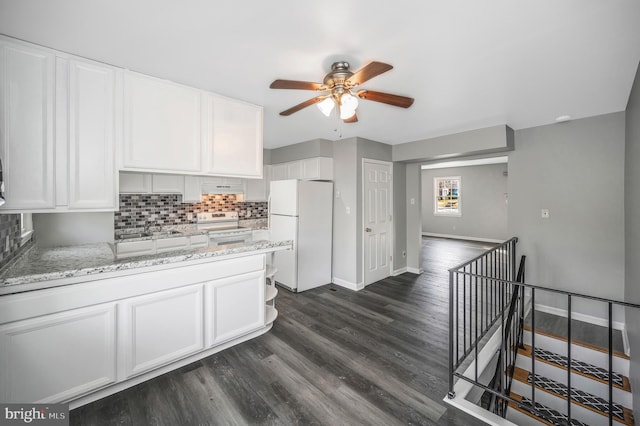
(9, 226)
(158, 210)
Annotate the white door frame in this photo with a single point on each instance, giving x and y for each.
(362, 217)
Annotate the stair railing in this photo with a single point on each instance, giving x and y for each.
(477, 300)
(484, 295)
(512, 338)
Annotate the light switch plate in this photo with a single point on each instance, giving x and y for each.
(544, 213)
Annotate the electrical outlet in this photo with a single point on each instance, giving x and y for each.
(348, 210)
(413, 201)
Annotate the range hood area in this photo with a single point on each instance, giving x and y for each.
(222, 188)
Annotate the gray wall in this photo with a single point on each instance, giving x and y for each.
(64, 229)
(345, 153)
(632, 233)
(400, 215)
(574, 169)
(373, 151)
(413, 203)
(483, 202)
(480, 141)
(347, 213)
(300, 151)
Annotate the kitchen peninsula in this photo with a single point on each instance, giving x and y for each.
(76, 324)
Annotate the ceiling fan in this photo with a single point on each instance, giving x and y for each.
(337, 86)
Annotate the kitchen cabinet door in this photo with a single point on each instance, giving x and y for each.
(233, 306)
(94, 119)
(162, 126)
(159, 328)
(234, 137)
(27, 126)
(57, 357)
(258, 189)
(294, 170)
(279, 171)
(167, 184)
(135, 183)
(320, 168)
(192, 189)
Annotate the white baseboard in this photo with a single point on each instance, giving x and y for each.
(399, 271)
(616, 325)
(460, 237)
(348, 284)
(414, 270)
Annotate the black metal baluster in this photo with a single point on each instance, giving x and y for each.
(533, 346)
(610, 364)
(569, 358)
(476, 329)
(452, 362)
(457, 330)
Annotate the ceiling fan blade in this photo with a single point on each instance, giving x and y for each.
(386, 98)
(303, 105)
(367, 72)
(352, 119)
(299, 85)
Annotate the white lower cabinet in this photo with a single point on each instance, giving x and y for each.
(57, 357)
(159, 328)
(233, 306)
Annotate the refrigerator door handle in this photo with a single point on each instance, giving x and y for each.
(269, 212)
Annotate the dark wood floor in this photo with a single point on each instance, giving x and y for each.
(334, 357)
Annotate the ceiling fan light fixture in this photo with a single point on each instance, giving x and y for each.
(348, 105)
(326, 106)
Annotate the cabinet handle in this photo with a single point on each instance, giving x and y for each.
(367, 229)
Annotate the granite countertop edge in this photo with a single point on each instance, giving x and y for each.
(73, 267)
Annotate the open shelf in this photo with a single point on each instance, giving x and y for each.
(270, 293)
(271, 314)
(270, 272)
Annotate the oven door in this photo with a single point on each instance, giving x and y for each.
(235, 238)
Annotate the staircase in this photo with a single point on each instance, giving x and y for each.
(589, 382)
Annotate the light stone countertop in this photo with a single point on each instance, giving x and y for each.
(38, 266)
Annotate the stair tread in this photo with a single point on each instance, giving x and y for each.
(598, 348)
(552, 417)
(579, 367)
(579, 397)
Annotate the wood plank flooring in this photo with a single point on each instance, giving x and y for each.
(334, 357)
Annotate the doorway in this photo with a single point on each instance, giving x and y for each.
(377, 233)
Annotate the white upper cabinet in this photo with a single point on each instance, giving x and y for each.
(93, 99)
(162, 126)
(316, 168)
(26, 126)
(258, 189)
(72, 168)
(233, 137)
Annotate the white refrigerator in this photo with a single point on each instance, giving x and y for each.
(302, 211)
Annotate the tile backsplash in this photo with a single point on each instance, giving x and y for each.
(157, 210)
(9, 227)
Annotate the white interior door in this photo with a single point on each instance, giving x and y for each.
(376, 220)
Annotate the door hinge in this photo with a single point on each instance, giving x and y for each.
(390, 218)
(390, 257)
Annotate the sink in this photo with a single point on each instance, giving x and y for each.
(163, 233)
(157, 234)
(129, 236)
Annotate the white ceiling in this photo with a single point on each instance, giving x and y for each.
(468, 63)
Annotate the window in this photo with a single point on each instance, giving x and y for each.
(26, 227)
(447, 191)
